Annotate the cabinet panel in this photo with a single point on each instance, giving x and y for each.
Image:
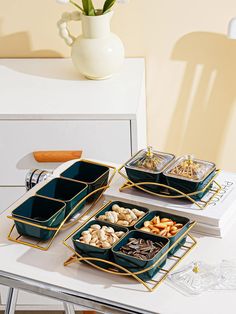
(107, 140)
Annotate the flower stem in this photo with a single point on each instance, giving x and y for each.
(76, 5)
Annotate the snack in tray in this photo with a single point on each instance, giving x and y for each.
(149, 161)
(189, 168)
(142, 249)
(100, 236)
(164, 227)
(122, 216)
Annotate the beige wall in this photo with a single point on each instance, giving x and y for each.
(191, 65)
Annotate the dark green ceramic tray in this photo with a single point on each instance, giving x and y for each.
(87, 250)
(142, 175)
(187, 186)
(179, 219)
(68, 191)
(134, 264)
(93, 174)
(121, 204)
(41, 211)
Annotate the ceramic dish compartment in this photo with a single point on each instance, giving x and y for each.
(68, 191)
(148, 166)
(108, 207)
(194, 175)
(178, 219)
(93, 174)
(41, 211)
(134, 264)
(87, 250)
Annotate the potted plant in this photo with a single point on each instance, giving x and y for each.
(97, 53)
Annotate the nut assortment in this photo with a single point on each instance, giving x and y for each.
(142, 249)
(122, 216)
(164, 227)
(100, 236)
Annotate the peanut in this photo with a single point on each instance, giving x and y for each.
(122, 216)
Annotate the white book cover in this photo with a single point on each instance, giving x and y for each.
(216, 213)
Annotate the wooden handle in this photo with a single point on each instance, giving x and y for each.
(57, 156)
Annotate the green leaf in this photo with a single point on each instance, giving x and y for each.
(108, 5)
(88, 7)
(76, 5)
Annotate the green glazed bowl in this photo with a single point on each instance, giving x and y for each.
(179, 219)
(68, 191)
(87, 250)
(134, 264)
(108, 207)
(93, 174)
(41, 211)
(139, 175)
(188, 185)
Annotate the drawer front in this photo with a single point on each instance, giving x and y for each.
(107, 140)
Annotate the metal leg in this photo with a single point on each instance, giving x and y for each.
(11, 301)
(69, 308)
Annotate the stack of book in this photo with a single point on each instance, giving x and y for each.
(215, 219)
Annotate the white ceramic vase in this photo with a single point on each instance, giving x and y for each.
(97, 53)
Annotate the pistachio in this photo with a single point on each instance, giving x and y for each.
(102, 237)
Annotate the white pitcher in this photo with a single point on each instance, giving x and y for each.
(97, 53)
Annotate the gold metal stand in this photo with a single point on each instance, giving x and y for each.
(116, 269)
(65, 224)
(213, 188)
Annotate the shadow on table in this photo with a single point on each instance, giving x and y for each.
(53, 260)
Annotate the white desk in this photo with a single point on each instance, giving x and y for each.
(43, 273)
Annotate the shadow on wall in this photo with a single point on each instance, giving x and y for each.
(18, 45)
(21, 40)
(207, 94)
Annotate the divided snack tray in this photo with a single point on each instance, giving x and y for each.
(114, 261)
(163, 175)
(59, 199)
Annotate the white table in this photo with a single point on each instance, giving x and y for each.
(43, 273)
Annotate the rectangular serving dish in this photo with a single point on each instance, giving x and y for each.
(187, 185)
(68, 191)
(134, 264)
(87, 250)
(108, 207)
(41, 211)
(178, 219)
(142, 175)
(93, 174)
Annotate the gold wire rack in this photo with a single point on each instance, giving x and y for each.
(115, 269)
(65, 224)
(213, 188)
